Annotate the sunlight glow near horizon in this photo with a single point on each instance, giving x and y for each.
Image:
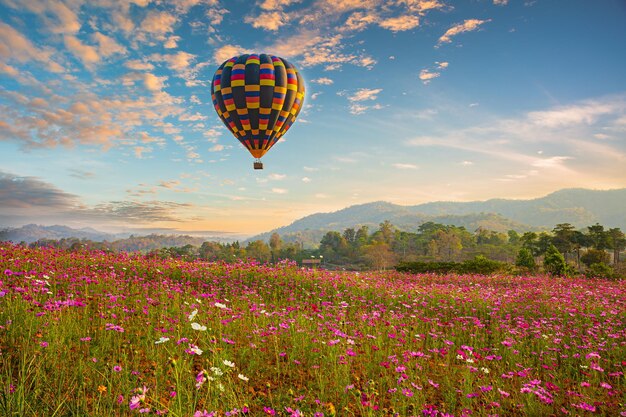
(106, 119)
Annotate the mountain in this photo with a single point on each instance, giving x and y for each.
(32, 232)
(580, 207)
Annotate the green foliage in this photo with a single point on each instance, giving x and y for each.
(600, 270)
(426, 267)
(525, 259)
(554, 262)
(595, 256)
(479, 265)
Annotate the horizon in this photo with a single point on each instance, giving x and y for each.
(216, 234)
(107, 120)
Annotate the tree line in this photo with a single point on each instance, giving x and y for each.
(564, 250)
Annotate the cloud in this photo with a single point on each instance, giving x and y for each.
(19, 194)
(400, 23)
(158, 24)
(86, 53)
(405, 166)
(323, 81)
(277, 4)
(587, 114)
(138, 65)
(271, 21)
(316, 49)
(360, 20)
(306, 179)
(57, 17)
(427, 75)
(468, 25)
(280, 190)
(185, 117)
(566, 134)
(140, 212)
(216, 148)
(171, 42)
(500, 2)
(552, 162)
(228, 51)
(363, 94)
(356, 108)
(15, 46)
(154, 83)
(107, 46)
(276, 177)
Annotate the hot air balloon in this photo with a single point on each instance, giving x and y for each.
(258, 97)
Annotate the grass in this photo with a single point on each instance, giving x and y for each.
(89, 333)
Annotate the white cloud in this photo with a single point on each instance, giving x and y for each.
(306, 179)
(280, 190)
(268, 20)
(587, 113)
(171, 42)
(360, 20)
(107, 46)
(363, 94)
(153, 83)
(405, 166)
(185, 117)
(158, 24)
(15, 46)
(86, 53)
(426, 75)
(138, 65)
(467, 26)
(500, 2)
(228, 51)
(216, 148)
(400, 23)
(552, 162)
(322, 81)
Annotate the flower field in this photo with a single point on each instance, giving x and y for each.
(89, 333)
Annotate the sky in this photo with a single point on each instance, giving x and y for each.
(106, 118)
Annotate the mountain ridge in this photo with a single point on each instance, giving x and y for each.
(579, 206)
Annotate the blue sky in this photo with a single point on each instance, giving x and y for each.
(106, 119)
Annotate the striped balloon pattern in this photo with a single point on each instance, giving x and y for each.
(258, 97)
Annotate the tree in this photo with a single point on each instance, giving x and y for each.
(563, 237)
(259, 250)
(595, 256)
(333, 246)
(210, 251)
(617, 242)
(599, 238)
(362, 236)
(525, 259)
(447, 243)
(379, 255)
(554, 262)
(275, 245)
(514, 237)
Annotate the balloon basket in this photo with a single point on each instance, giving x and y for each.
(258, 165)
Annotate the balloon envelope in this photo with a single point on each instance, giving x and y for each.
(258, 97)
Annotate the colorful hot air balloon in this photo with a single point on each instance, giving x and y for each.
(258, 97)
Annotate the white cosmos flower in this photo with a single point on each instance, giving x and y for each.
(242, 377)
(198, 326)
(196, 350)
(220, 305)
(229, 363)
(193, 315)
(161, 340)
